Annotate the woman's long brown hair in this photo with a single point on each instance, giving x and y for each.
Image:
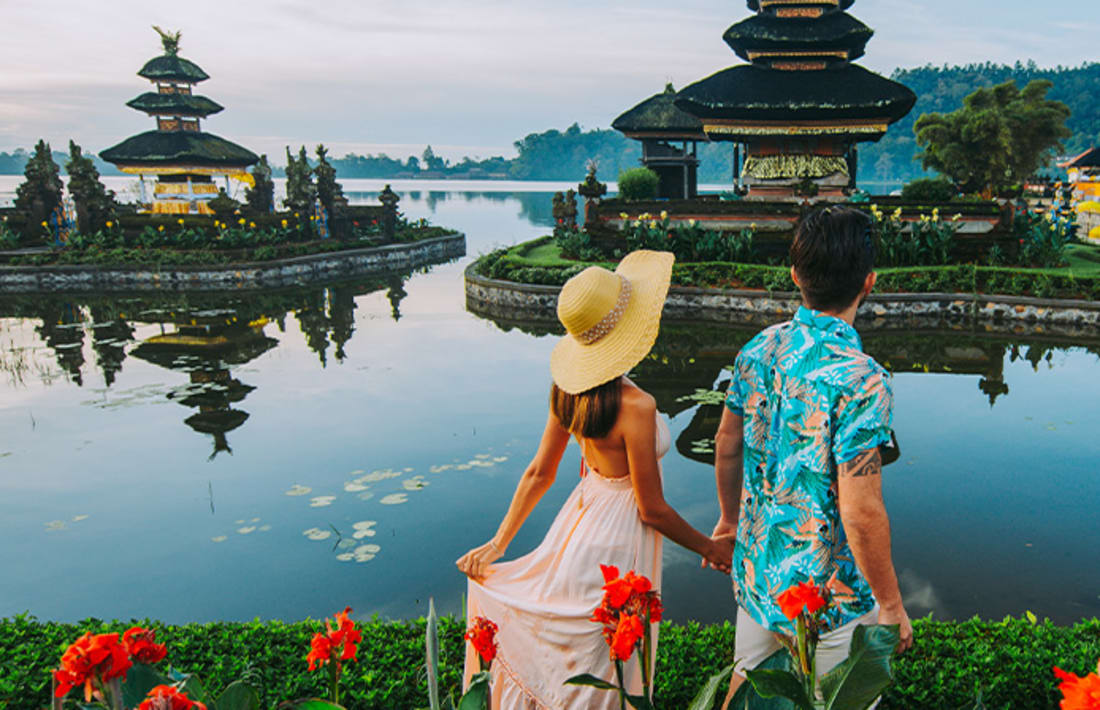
(590, 414)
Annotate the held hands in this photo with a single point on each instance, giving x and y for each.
(725, 539)
(475, 563)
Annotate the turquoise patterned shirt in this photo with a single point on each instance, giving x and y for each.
(811, 399)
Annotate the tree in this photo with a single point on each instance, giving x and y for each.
(40, 192)
(432, 161)
(261, 196)
(328, 190)
(300, 190)
(95, 204)
(999, 137)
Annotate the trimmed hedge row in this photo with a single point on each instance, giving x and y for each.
(1008, 661)
(510, 265)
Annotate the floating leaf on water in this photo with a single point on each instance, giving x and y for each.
(346, 556)
(360, 534)
(463, 467)
(247, 529)
(78, 518)
(321, 501)
(317, 534)
(440, 468)
(354, 487)
(394, 499)
(346, 544)
(409, 469)
(264, 528)
(364, 558)
(357, 472)
(500, 459)
(376, 476)
(254, 520)
(482, 456)
(414, 484)
(368, 548)
(366, 496)
(55, 525)
(299, 490)
(239, 522)
(364, 524)
(219, 538)
(479, 462)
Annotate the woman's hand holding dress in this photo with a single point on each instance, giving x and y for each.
(475, 563)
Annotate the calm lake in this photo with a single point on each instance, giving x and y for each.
(343, 445)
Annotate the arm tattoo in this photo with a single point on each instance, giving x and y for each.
(868, 463)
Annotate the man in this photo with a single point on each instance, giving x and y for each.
(797, 459)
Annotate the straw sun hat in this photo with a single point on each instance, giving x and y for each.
(612, 319)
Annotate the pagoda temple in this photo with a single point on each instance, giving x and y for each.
(184, 159)
(800, 106)
(659, 124)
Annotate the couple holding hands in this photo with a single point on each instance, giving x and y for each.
(798, 462)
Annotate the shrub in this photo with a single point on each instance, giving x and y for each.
(638, 184)
(929, 190)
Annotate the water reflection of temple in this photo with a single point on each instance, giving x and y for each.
(206, 345)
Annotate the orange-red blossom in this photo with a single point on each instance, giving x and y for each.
(142, 645)
(627, 601)
(342, 639)
(91, 657)
(626, 637)
(806, 595)
(482, 635)
(167, 697)
(1079, 693)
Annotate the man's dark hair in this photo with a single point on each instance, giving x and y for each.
(832, 254)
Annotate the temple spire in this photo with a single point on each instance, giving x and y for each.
(170, 41)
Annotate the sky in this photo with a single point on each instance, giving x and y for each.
(467, 76)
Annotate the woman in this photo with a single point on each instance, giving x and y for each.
(616, 515)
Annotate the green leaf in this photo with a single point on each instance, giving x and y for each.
(140, 679)
(746, 697)
(476, 696)
(780, 684)
(855, 683)
(1032, 618)
(309, 704)
(237, 696)
(589, 679)
(639, 702)
(704, 699)
(194, 689)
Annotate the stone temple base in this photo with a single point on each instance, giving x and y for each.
(792, 189)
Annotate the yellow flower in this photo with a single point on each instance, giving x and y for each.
(160, 228)
(297, 215)
(645, 216)
(664, 214)
(45, 224)
(180, 221)
(753, 226)
(957, 217)
(653, 224)
(284, 223)
(897, 214)
(935, 214)
(241, 221)
(252, 225)
(110, 224)
(692, 222)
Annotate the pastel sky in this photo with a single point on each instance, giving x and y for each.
(467, 76)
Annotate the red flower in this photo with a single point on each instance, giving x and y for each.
(142, 645)
(167, 697)
(342, 637)
(626, 637)
(1079, 693)
(90, 658)
(806, 596)
(482, 634)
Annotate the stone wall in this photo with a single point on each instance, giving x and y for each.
(526, 303)
(267, 274)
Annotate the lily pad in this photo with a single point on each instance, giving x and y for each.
(219, 538)
(394, 499)
(414, 484)
(317, 534)
(247, 529)
(354, 487)
(440, 468)
(321, 501)
(299, 490)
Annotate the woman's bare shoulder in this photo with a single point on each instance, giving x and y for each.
(636, 402)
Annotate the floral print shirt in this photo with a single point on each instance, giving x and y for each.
(811, 399)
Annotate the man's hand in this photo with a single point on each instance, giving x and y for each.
(724, 530)
(897, 615)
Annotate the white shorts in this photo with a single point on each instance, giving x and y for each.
(753, 643)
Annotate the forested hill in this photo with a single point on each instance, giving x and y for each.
(942, 89)
(561, 155)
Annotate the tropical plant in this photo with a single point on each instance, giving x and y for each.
(791, 672)
(1043, 240)
(95, 204)
(999, 137)
(300, 190)
(1079, 693)
(638, 184)
(338, 644)
(629, 608)
(260, 197)
(482, 636)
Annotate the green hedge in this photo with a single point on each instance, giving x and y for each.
(510, 265)
(1009, 660)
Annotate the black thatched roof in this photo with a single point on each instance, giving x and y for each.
(836, 30)
(1089, 159)
(754, 5)
(169, 67)
(749, 92)
(174, 104)
(154, 148)
(658, 114)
